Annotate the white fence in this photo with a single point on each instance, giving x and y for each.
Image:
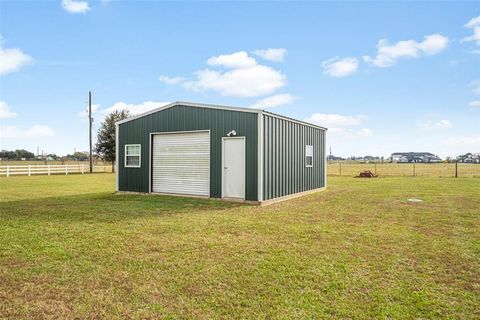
(46, 169)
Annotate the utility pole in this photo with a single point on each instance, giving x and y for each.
(90, 121)
(330, 155)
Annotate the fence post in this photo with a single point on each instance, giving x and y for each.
(83, 169)
(48, 169)
(29, 170)
(414, 168)
(375, 168)
(8, 170)
(66, 169)
(456, 168)
(340, 168)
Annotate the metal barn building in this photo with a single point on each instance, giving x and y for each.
(219, 152)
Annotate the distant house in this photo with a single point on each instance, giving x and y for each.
(469, 158)
(404, 157)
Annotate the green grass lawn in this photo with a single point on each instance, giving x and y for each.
(71, 248)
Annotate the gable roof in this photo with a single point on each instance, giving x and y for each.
(215, 106)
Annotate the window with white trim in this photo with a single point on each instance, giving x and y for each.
(308, 156)
(132, 155)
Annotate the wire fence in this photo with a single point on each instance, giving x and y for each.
(406, 169)
(333, 169)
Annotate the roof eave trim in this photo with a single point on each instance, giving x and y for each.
(190, 104)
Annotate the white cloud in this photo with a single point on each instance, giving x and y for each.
(443, 124)
(387, 55)
(339, 134)
(276, 55)
(244, 82)
(335, 120)
(475, 25)
(84, 113)
(244, 77)
(433, 44)
(463, 141)
(74, 6)
(339, 68)
(475, 85)
(474, 104)
(274, 101)
(6, 112)
(341, 127)
(365, 132)
(13, 132)
(12, 60)
(171, 80)
(135, 108)
(432, 125)
(473, 22)
(235, 60)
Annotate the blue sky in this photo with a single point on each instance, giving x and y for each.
(418, 89)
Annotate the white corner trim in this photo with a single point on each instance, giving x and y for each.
(117, 148)
(260, 157)
(325, 158)
(150, 177)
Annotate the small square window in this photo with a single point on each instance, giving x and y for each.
(308, 156)
(132, 155)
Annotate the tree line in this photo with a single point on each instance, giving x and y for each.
(18, 154)
(22, 154)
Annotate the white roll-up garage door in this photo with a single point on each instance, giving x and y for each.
(181, 163)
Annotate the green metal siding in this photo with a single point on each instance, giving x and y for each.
(284, 170)
(187, 118)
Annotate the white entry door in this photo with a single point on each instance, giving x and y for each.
(233, 160)
(181, 163)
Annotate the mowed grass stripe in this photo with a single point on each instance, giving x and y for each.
(71, 248)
